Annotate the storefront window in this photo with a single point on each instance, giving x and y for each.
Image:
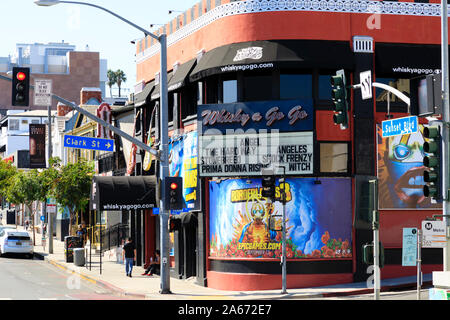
(396, 105)
(334, 157)
(257, 87)
(400, 84)
(295, 86)
(324, 87)
(229, 91)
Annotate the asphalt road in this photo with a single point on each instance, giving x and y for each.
(26, 279)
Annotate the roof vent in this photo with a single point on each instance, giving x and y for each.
(363, 44)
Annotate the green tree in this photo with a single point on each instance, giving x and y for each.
(25, 188)
(112, 80)
(120, 77)
(7, 171)
(73, 186)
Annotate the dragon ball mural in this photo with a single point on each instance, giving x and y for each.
(317, 225)
(400, 171)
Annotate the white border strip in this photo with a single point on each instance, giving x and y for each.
(257, 6)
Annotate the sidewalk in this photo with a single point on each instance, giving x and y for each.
(143, 287)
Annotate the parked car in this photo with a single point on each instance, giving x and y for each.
(17, 242)
(7, 227)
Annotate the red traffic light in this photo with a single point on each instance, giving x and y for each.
(21, 76)
(173, 186)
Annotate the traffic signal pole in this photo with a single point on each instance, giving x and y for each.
(445, 128)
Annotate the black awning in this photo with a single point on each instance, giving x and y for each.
(406, 60)
(141, 98)
(261, 55)
(156, 94)
(181, 76)
(123, 193)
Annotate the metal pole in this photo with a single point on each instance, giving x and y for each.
(445, 129)
(164, 169)
(376, 243)
(419, 262)
(283, 268)
(49, 150)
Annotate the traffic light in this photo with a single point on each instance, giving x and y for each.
(368, 254)
(432, 161)
(20, 87)
(173, 187)
(339, 97)
(174, 223)
(268, 187)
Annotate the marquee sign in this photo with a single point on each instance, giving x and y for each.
(247, 154)
(282, 116)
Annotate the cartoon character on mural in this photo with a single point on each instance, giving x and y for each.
(257, 230)
(316, 227)
(400, 171)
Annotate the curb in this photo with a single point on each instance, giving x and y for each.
(91, 279)
(147, 296)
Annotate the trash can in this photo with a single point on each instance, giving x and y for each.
(78, 257)
(70, 243)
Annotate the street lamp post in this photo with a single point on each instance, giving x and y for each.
(164, 167)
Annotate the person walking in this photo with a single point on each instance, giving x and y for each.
(129, 254)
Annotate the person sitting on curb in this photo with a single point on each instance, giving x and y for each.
(154, 266)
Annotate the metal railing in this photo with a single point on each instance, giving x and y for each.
(114, 236)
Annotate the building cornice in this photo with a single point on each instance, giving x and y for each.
(324, 6)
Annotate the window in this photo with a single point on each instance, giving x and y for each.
(396, 105)
(24, 121)
(295, 86)
(324, 87)
(35, 121)
(257, 87)
(14, 124)
(334, 157)
(229, 91)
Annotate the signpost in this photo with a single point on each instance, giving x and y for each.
(434, 235)
(409, 247)
(43, 92)
(400, 126)
(365, 79)
(98, 144)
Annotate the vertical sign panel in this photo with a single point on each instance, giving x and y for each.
(409, 249)
(37, 146)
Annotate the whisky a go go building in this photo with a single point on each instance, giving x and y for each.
(249, 88)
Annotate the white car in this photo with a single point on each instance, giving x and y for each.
(17, 242)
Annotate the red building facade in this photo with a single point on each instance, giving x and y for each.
(242, 59)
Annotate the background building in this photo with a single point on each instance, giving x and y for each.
(69, 69)
(281, 54)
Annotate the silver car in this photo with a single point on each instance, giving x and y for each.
(17, 242)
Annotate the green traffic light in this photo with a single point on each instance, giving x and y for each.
(339, 118)
(431, 132)
(337, 81)
(430, 191)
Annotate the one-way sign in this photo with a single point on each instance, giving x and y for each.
(97, 144)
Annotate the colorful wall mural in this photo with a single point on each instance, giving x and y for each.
(400, 172)
(183, 163)
(318, 226)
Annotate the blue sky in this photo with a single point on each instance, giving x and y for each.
(23, 21)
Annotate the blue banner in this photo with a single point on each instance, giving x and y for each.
(235, 118)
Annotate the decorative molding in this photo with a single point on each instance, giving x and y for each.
(258, 6)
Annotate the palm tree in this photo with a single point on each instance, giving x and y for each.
(112, 80)
(120, 77)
